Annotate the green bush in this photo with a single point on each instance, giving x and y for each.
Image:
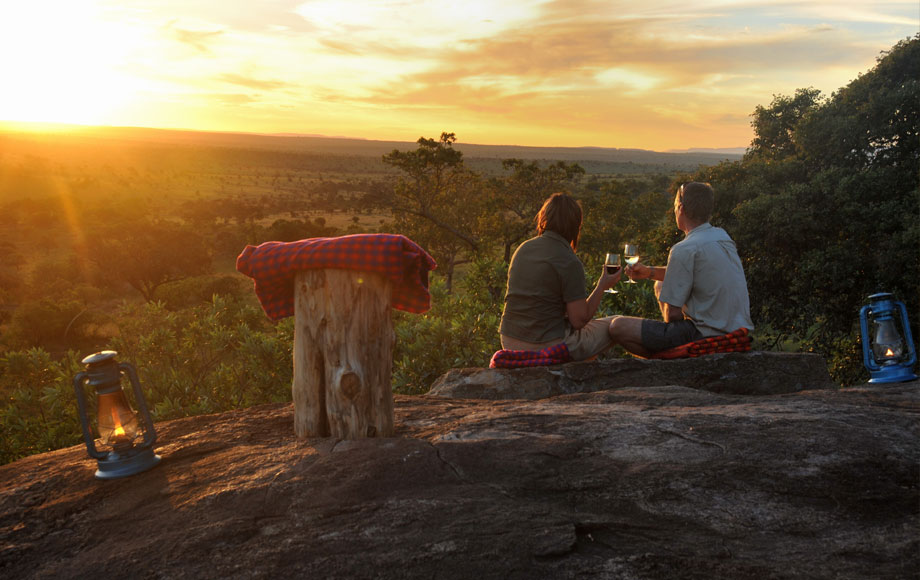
(460, 330)
(219, 356)
(47, 322)
(199, 290)
(38, 410)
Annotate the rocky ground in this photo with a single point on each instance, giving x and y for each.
(634, 482)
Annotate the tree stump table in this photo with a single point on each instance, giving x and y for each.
(343, 354)
(340, 292)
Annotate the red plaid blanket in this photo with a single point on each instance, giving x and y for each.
(737, 341)
(512, 359)
(272, 266)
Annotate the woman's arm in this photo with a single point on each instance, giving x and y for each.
(580, 312)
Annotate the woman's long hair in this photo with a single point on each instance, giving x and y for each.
(561, 214)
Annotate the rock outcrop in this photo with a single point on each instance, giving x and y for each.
(634, 482)
(753, 373)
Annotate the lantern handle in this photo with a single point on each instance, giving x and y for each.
(864, 333)
(150, 435)
(907, 335)
(84, 421)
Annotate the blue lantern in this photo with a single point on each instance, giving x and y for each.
(889, 357)
(126, 437)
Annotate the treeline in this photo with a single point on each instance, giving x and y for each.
(824, 208)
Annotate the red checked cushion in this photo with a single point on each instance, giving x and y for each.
(512, 359)
(737, 341)
(272, 266)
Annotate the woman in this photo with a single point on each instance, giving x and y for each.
(546, 302)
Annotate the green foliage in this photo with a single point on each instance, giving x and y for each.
(460, 330)
(48, 322)
(293, 230)
(775, 126)
(147, 254)
(210, 358)
(199, 290)
(38, 410)
(621, 212)
(825, 207)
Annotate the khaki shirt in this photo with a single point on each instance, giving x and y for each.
(705, 276)
(544, 275)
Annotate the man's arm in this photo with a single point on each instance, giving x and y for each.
(640, 271)
(671, 313)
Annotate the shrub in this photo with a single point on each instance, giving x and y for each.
(460, 330)
(38, 410)
(219, 356)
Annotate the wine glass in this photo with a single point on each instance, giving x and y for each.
(632, 257)
(612, 264)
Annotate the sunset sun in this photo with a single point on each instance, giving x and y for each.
(65, 69)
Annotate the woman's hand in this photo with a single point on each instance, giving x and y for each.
(580, 312)
(608, 280)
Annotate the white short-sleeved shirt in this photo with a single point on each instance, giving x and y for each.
(705, 277)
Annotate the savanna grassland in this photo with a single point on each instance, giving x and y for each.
(126, 239)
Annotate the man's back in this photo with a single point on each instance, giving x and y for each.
(705, 275)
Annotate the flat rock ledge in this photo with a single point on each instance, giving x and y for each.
(642, 483)
(751, 373)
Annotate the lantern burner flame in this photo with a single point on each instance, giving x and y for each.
(119, 429)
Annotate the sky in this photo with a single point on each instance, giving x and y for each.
(657, 74)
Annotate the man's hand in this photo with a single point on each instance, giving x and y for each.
(639, 271)
(672, 313)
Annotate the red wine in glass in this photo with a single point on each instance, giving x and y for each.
(612, 263)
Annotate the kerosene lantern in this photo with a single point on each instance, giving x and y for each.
(888, 352)
(126, 437)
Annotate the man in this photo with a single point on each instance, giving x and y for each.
(701, 292)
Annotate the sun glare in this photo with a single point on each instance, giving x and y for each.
(61, 63)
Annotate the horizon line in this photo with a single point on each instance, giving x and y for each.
(52, 127)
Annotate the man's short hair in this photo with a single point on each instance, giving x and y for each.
(561, 214)
(697, 201)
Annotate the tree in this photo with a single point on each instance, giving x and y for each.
(774, 126)
(514, 200)
(872, 122)
(147, 255)
(432, 174)
(437, 201)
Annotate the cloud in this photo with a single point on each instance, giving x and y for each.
(197, 39)
(631, 56)
(252, 83)
(232, 98)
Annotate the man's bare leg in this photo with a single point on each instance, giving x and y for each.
(627, 332)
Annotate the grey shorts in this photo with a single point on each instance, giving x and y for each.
(658, 336)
